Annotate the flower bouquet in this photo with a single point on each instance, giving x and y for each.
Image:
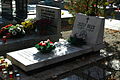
(45, 46)
(29, 24)
(12, 31)
(4, 30)
(16, 31)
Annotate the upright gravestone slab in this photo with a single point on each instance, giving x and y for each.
(21, 7)
(91, 28)
(7, 9)
(51, 13)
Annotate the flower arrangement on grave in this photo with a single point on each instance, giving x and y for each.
(16, 30)
(89, 7)
(43, 25)
(29, 24)
(12, 31)
(4, 30)
(45, 46)
(76, 41)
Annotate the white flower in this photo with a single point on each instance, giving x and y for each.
(18, 29)
(21, 26)
(11, 29)
(14, 32)
(23, 31)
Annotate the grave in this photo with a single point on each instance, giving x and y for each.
(30, 40)
(30, 58)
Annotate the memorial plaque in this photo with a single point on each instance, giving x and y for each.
(51, 13)
(30, 58)
(89, 27)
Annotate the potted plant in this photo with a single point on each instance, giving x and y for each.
(88, 7)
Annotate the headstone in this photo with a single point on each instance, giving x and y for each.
(51, 13)
(91, 28)
(7, 9)
(21, 7)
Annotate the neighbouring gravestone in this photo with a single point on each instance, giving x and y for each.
(91, 28)
(7, 9)
(51, 13)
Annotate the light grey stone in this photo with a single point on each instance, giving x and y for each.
(91, 28)
(30, 58)
(51, 13)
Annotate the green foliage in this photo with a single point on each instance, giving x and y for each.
(74, 40)
(88, 7)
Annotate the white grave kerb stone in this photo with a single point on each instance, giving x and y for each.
(51, 13)
(89, 27)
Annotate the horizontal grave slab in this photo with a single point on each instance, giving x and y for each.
(24, 42)
(30, 58)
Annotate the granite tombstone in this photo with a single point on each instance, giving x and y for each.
(51, 13)
(91, 28)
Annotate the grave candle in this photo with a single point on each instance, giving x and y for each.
(11, 75)
(5, 75)
(17, 76)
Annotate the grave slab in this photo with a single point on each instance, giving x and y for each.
(30, 58)
(24, 42)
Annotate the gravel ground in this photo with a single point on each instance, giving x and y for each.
(111, 39)
(112, 43)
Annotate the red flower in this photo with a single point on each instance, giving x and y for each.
(48, 40)
(43, 44)
(3, 28)
(39, 44)
(4, 39)
(94, 5)
(51, 42)
(8, 35)
(8, 25)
